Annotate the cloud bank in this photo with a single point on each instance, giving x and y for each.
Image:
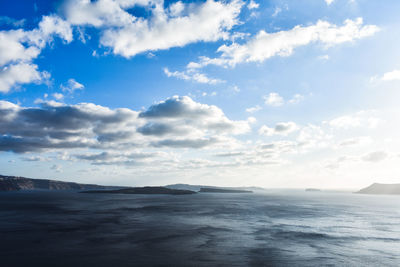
(178, 122)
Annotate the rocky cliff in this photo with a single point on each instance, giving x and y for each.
(14, 183)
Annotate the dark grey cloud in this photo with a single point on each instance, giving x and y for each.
(268, 146)
(107, 156)
(282, 127)
(186, 143)
(177, 107)
(181, 115)
(277, 147)
(71, 117)
(158, 129)
(33, 158)
(117, 158)
(100, 156)
(56, 127)
(230, 154)
(177, 122)
(107, 137)
(22, 145)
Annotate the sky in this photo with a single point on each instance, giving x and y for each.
(278, 94)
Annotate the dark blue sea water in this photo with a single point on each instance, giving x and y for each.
(274, 229)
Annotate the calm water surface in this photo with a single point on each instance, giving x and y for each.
(274, 229)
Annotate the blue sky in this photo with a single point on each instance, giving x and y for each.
(138, 92)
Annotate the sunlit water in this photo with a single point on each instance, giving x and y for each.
(274, 229)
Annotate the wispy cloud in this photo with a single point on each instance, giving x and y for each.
(253, 109)
(266, 45)
(71, 86)
(194, 76)
(5, 20)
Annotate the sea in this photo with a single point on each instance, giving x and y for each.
(275, 228)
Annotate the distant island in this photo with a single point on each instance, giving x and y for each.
(199, 187)
(381, 189)
(148, 190)
(313, 190)
(16, 183)
(221, 190)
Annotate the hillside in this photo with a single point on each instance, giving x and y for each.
(219, 190)
(381, 189)
(147, 190)
(199, 187)
(14, 183)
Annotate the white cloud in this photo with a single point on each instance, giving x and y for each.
(56, 168)
(252, 5)
(329, 2)
(277, 11)
(297, 98)
(236, 89)
(391, 76)
(251, 120)
(12, 48)
(366, 119)
(372, 157)
(71, 86)
(266, 45)
(253, 109)
(192, 76)
(313, 136)
(203, 94)
(18, 48)
(176, 9)
(324, 57)
(338, 162)
(375, 156)
(58, 96)
(274, 99)
(52, 25)
(282, 128)
(100, 13)
(355, 141)
(346, 121)
(21, 73)
(177, 26)
(19, 45)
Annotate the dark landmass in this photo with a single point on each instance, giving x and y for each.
(14, 183)
(148, 190)
(313, 190)
(381, 189)
(219, 190)
(198, 187)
